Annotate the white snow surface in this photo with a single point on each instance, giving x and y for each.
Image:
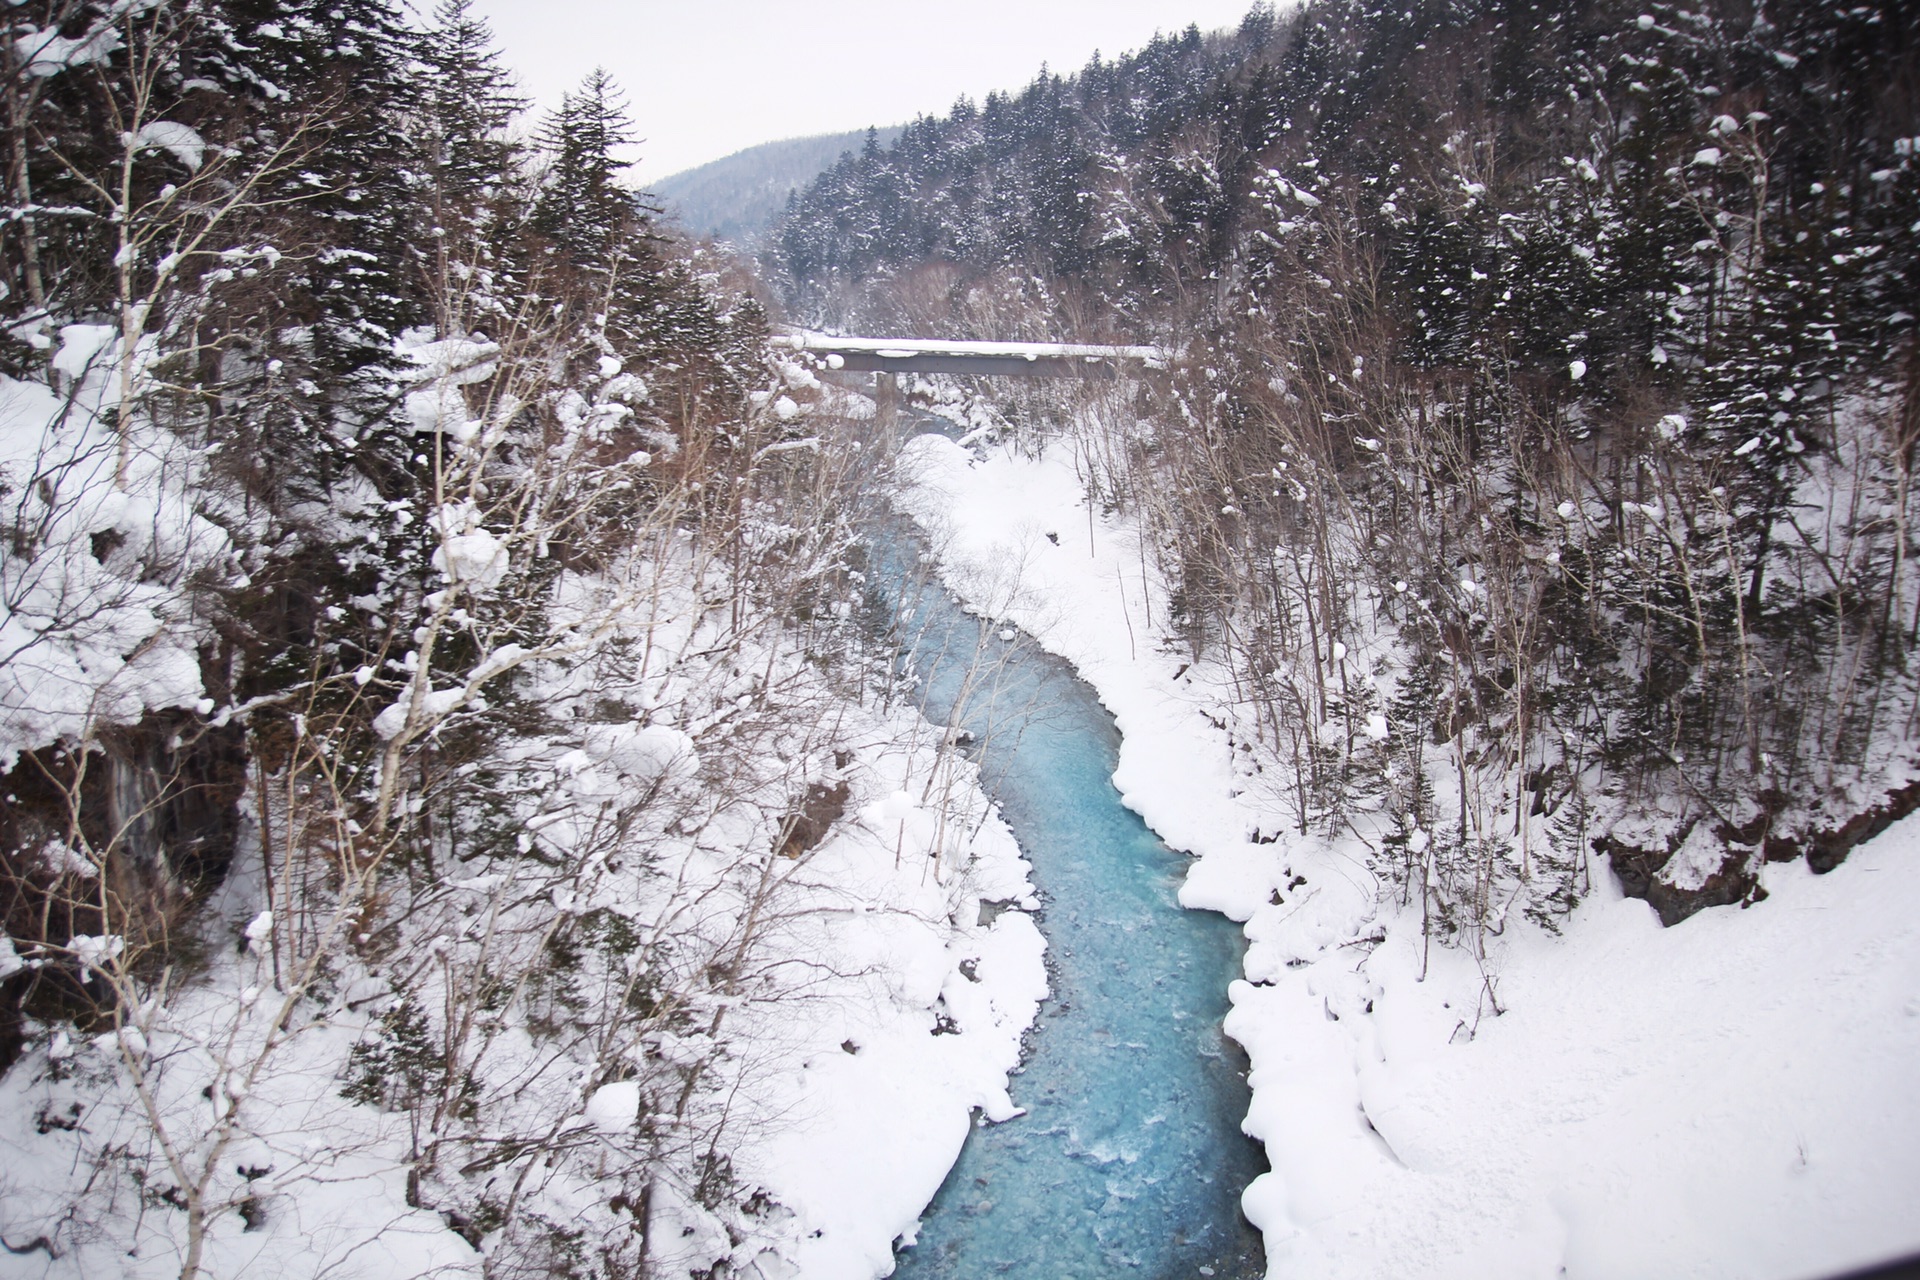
(857, 1110)
(852, 1109)
(1731, 1097)
(614, 1108)
(880, 1105)
(80, 346)
(644, 753)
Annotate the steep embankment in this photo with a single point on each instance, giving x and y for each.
(1525, 520)
(705, 966)
(458, 816)
(1576, 345)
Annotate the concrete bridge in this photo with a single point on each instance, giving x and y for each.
(990, 359)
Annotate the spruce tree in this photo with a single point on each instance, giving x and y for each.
(343, 77)
(601, 238)
(473, 199)
(468, 103)
(583, 208)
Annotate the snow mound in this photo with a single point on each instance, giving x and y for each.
(177, 140)
(460, 361)
(644, 753)
(478, 560)
(615, 1108)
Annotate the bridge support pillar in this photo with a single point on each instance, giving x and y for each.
(886, 401)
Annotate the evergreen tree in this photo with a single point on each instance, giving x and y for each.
(349, 69)
(473, 168)
(583, 208)
(468, 104)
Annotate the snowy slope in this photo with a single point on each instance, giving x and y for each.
(1731, 1097)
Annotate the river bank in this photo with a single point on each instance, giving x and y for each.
(1646, 1101)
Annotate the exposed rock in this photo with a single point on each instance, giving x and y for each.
(1703, 866)
(1709, 877)
(815, 815)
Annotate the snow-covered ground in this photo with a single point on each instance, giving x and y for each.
(854, 1108)
(1731, 1097)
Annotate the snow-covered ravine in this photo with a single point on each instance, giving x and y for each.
(1128, 1158)
(1730, 1097)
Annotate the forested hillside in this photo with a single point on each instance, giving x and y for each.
(1540, 452)
(435, 713)
(738, 197)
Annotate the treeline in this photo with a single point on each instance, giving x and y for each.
(419, 644)
(1540, 458)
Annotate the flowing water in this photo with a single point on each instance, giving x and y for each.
(1130, 1160)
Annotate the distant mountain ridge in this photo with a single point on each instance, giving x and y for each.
(738, 197)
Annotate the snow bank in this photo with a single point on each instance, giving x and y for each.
(877, 1016)
(1731, 1097)
(644, 753)
(878, 1098)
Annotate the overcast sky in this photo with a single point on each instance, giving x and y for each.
(706, 78)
